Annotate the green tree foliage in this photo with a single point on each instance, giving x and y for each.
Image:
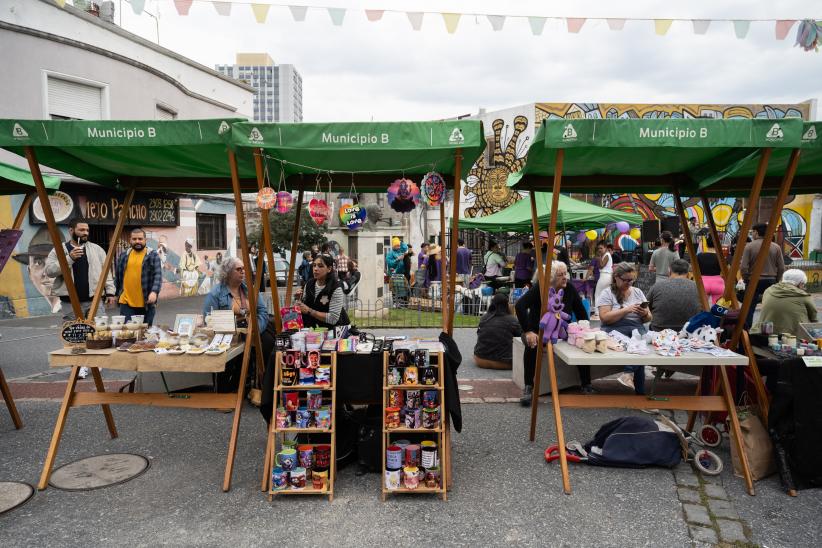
(282, 225)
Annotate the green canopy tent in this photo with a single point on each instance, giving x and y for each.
(170, 156)
(661, 155)
(16, 180)
(572, 215)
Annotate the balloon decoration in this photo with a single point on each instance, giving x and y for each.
(722, 214)
(432, 187)
(284, 201)
(622, 227)
(581, 237)
(319, 211)
(403, 195)
(635, 233)
(352, 216)
(266, 198)
(591, 235)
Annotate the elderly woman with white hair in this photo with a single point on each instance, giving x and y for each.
(787, 304)
(231, 293)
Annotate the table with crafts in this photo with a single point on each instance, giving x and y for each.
(688, 362)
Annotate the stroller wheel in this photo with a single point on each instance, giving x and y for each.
(710, 435)
(708, 462)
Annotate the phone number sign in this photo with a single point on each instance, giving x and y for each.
(104, 209)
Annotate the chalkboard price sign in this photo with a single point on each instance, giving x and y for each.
(76, 332)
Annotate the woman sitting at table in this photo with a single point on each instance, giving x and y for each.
(231, 293)
(529, 315)
(495, 335)
(786, 304)
(323, 300)
(621, 309)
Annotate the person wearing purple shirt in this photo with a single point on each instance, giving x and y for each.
(422, 258)
(463, 258)
(524, 265)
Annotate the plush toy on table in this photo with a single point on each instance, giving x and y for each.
(709, 319)
(554, 323)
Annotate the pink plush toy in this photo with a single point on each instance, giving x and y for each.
(555, 322)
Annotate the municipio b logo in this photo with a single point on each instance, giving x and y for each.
(569, 133)
(775, 133)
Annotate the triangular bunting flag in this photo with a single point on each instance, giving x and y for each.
(415, 18)
(61, 3)
(616, 24)
(260, 12)
(575, 24)
(537, 24)
(497, 22)
(223, 8)
(741, 29)
(183, 6)
(451, 21)
(337, 15)
(298, 12)
(138, 6)
(661, 26)
(374, 15)
(783, 27)
(701, 25)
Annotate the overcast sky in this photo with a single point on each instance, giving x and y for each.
(387, 71)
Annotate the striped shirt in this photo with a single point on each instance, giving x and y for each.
(335, 305)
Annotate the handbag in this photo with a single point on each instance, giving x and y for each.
(756, 442)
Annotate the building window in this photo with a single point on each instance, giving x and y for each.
(70, 99)
(211, 231)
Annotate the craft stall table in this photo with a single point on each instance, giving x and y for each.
(111, 358)
(688, 362)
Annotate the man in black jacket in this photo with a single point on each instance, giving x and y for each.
(529, 314)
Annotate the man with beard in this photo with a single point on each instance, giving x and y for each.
(138, 278)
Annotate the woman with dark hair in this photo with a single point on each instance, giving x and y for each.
(495, 335)
(322, 299)
(712, 278)
(662, 257)
(623, 308)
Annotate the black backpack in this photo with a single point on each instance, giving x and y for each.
(634, 442)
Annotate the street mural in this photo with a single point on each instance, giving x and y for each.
(487, 194)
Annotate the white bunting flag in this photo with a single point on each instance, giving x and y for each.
(616, 24)
(223, 8)
(298, 12)
(701, 25)
(415, 18)
(497, 22)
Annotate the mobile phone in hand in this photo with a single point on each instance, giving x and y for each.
(644, 304)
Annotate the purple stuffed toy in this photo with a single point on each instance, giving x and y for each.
(554, 323)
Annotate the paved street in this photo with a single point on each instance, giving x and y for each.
(504, 492)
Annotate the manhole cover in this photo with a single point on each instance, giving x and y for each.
(14, 494)
(100, 471)
(466, 387)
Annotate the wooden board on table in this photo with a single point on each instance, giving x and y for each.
(110, 358)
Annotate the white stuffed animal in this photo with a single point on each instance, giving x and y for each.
(707, 334)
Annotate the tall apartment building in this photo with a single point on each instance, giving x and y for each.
(279, 96)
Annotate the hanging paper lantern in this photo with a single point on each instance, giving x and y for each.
(266, 198)
(635, 233)
(352, 216)
(403, 195)
(285, 201)
(591, 235)
(318, 210)
(622, 227)
(433, 188)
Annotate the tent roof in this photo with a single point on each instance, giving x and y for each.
(648, 155)
(808, 177)
(375, 152)
(16, 180)
(573, 214)
(181, 155)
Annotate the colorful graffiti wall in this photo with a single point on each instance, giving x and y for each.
(486, 193)
(25, 290)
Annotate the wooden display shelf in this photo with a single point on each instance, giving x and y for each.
(439, 433)
(274, 433)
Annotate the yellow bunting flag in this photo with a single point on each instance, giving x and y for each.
(260, 12)
(61, 3)
(451, 21)
(183, 6)
(575, 24)
(374, 15)
(661, 26)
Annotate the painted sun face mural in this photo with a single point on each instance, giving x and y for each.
(488, 184)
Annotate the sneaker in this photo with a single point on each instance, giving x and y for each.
(527, 393)
(588, 389)
(84, 371)
(626, 380)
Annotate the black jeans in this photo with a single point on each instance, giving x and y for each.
(761, 286)
(529, 363)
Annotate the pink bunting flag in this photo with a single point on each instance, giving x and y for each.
(741, 29)
(452, 20)
(497, 22)
(137, 6)
(661, 26)
(374, 15)
(337, 15)
(298, 12)
(616, 24)
(783, 27)
(537, 25)
(415, 18)
(575, 24)
(260, 12)
(183, 6)
(223, 8)
(701, 26)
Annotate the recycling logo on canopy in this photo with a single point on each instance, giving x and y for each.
(224, 128)
(456, 138)
(255, 136)
(810, 135)
(569, 133)
(775, 133)
(18, 132)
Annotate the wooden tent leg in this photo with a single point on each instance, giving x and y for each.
(735, 429)
(759, 385)
(563, 461)
(62, 415)
(4, 388)
(98, 383)
(24, 209)
(703, 297)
